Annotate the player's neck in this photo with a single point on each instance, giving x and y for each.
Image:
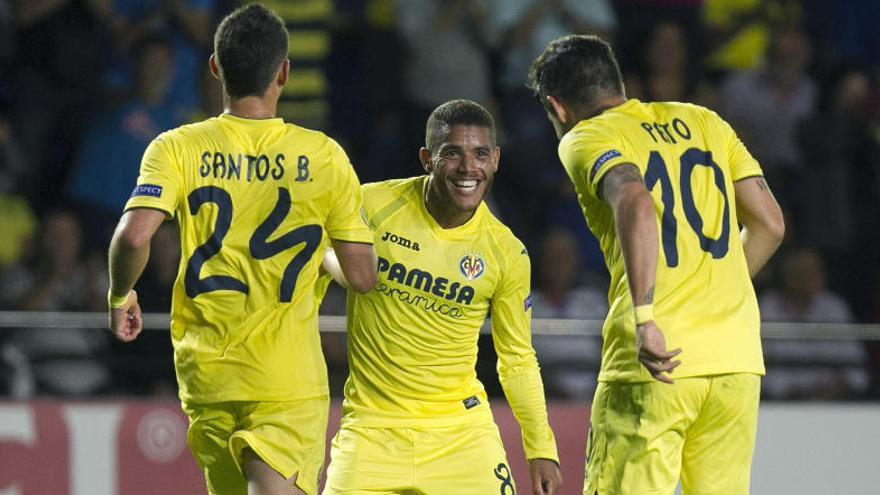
(446, 216)
(601, 105)
(250, 107)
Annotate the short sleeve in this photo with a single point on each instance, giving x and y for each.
(159, 183)
(742, 164)
(588, 154)
(346, 221)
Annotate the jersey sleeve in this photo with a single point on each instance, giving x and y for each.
(588, 153)
(159, 183)
(346, 221)
(742, 164)
(518, 368)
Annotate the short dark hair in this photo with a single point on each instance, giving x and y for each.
(577, 69)
(456, 112)
(248, 46)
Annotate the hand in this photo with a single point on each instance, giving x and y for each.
(125, 321)
(652, 351)
(546, 478)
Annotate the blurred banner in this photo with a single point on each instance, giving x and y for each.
(139, 448)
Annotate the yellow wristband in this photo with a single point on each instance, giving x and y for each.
(644, 313)
(117, 301)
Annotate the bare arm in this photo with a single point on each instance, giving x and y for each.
(352, 265)
(636, 222)
(129, 251)
(762, 221)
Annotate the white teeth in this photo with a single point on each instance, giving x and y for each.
(465, 183)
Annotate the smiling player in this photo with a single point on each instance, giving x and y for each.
(415, 418)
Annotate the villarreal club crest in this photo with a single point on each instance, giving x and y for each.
(472, 266)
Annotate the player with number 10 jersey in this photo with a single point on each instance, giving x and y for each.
(255, 200)
(689, 158)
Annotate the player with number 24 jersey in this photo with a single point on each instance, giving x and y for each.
(253, 199)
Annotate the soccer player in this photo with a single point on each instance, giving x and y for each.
(665, 187)
(255, 199)
(415, 418)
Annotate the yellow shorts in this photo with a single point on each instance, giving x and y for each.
(288, 436)
(644, 436)
(460, 460)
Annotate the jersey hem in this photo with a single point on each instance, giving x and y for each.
(629, 378)
(274, 397)
(378, 421)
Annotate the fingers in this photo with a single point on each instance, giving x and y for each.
(658, 368)
(657, 355)
(126, 325)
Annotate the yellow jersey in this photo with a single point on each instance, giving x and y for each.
(255, 201)
(704, 300)
(413, 339)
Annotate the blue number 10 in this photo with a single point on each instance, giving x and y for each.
(656, 172)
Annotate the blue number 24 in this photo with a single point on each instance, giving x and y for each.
(689, 160)
(260, 247)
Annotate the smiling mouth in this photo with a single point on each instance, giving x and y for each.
(465, 185)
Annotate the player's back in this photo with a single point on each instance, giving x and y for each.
(704, 300)
(255, 200)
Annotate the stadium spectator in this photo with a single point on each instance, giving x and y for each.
(637, 18)
(188, 26)
(802, 295)
(305, 98)
(445, 39)
(7, 50)
(809, 369)
(667, 73)
(569, 363)
(841, 157)
(766, 106)
(56, 86)
(106, 166)
(520, 29)
(16, 215)
(739, 33)
(65, 360)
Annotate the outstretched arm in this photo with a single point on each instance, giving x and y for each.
(129, 251)
(636, 222)
(762, 221)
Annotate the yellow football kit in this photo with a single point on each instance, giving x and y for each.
(412, 349)
(255, 200)
(703, 300)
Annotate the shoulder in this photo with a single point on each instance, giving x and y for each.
(314, 141)
(508, 244)
(392, 188)
(398, 192)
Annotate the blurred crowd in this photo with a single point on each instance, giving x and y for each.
(85, 85)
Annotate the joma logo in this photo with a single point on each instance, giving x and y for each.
(403, 241)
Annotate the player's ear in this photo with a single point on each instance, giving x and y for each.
(215, 70)
(425, 158)
(559, 110)
(283, 72)
(497, 157)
